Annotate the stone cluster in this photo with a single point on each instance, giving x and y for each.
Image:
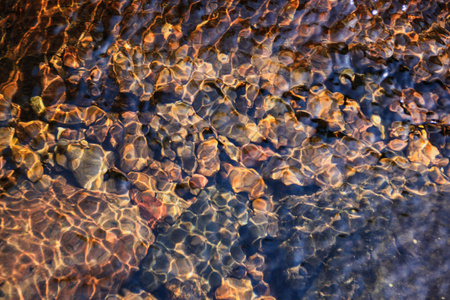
(224, 149)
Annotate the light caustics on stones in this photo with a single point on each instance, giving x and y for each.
(224, 149)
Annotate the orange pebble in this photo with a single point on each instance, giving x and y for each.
(198, 181)
(259, 204)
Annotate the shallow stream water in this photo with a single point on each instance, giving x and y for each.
(224, 149)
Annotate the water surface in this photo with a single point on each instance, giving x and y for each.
(224, 149)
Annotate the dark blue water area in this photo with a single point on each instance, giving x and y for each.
(379, 249)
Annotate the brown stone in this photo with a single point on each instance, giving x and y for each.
(245, 180)
(198, 181)
(235, 289)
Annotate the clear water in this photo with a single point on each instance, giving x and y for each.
(224, 149)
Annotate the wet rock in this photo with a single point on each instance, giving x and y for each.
(150, 208)
(135, 151)
(53, 87)
(230, 123)
(135, 154)
(142, 181)
(245, 180)
(37, 105)
(208, 158)
(128, 295)
(421, 150)
(86, 161)
(198, 181)
(252, 154)
(255, 266)
(5, 109)
(230, 149)
(65, 114)
(116, 182)
(36, 135)
(29, 161)
(235, 289)
(98, 133)
(6, 137)
(185, 290)
(94, 115)
(187, 156)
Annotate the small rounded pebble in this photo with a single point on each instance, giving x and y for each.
(198, 181)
